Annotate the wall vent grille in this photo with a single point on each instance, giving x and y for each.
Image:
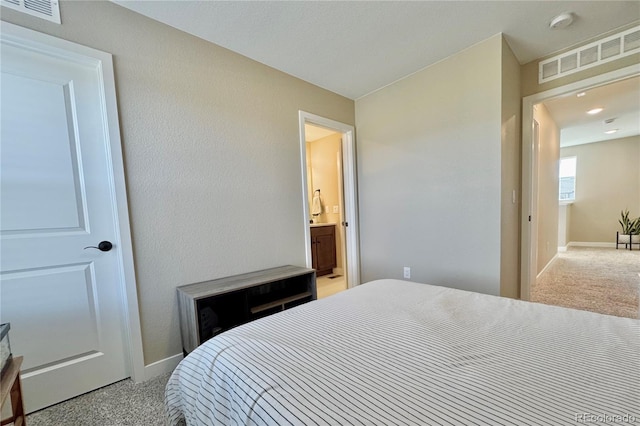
(602, 51)
(45, 9)
(632, 41)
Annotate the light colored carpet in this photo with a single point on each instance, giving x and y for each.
(603, 280)
(121, 404)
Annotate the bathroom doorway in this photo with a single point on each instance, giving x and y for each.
(329, 203)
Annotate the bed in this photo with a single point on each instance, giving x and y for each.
(393, 352)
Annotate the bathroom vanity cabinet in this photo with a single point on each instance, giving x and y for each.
(323, 248)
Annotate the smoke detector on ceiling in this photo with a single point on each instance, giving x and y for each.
(561, 21)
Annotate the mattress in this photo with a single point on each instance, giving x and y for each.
(401, 353)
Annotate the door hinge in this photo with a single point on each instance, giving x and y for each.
(345, 223)
(529, 218)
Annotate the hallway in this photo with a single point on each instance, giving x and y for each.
(603, 280)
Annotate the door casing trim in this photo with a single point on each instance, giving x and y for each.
(530, 174)
(349, 191)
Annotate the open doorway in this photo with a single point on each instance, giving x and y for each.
(329, 194)
(326, 207)
(560, 234)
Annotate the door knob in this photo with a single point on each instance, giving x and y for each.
(102, 246)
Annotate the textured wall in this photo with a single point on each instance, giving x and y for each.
(548, 182)
(607, 181)
(429, 173)
(511, 172)
(212, 155)
(564, 221)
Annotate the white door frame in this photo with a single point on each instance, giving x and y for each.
(102, 61)
(529, 244)
(352, 269)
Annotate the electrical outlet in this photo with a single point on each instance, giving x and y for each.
(407, 272)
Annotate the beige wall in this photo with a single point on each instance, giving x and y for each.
(548, 183)
(510, 204)
(429, 173)
(564, 224)
(607, 181)
(212, 155)
(323, 166)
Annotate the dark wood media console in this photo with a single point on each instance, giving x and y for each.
(211, 307)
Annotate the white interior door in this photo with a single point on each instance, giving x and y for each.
(64, 302)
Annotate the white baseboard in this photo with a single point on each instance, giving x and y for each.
(548, 265)
(562, 249)
(161, 367)
(590, 244)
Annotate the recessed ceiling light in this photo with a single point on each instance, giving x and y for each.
(595, 111)
(612, 131)
(581, 94)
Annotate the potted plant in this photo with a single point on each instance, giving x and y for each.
(630, 230)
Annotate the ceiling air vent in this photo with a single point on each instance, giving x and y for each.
(602, 51)
(45, 9)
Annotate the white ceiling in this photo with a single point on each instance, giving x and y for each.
(620, 100)
(356, 47)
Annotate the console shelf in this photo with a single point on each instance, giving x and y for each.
(211, 307)
(280, 302)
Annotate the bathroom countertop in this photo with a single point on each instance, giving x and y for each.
(313, 225)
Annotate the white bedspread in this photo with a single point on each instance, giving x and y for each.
(396, 352)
